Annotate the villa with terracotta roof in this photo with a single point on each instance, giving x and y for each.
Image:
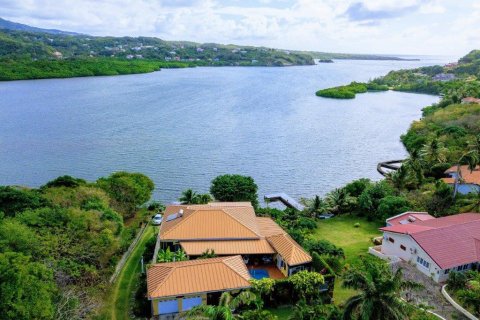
(467, 180)
(247, 247)
(435, 245)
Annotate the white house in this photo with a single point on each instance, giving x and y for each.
(435, 245)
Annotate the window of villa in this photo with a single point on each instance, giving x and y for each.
(447, 271)
(403, 247)
(422, 262)
(391, 240)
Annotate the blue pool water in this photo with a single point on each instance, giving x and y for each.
(259, 273)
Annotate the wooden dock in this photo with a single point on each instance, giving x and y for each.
(285, 199)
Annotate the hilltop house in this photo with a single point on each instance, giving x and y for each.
(435, 245)
(247, 247)
(470, 100)
(467, 181)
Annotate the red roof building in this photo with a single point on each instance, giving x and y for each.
(436, 245)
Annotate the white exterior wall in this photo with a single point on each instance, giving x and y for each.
(411, 253)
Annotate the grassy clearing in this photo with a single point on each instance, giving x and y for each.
(354, 241)
(123, 289)
(283, 313)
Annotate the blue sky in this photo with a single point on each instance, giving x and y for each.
(438, 27)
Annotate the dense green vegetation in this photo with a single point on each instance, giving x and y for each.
(59, 244)
(11, 69)
(453, 82)
(349, 91)
(465, 288)
(234, 187)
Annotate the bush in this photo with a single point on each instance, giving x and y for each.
(323, 247)
(391, 206)
(356, 225)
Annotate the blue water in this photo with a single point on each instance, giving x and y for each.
(184, 127)
(259, 273)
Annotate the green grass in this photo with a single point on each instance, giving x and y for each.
(126, 283)
(283, 313)
(354, 241)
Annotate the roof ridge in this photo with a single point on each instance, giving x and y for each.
(450, 225)
(170, 272)
(180, 223)
(243, 224)
(228, 258)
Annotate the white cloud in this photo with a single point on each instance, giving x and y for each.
(376, 26)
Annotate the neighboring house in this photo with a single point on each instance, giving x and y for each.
(443, 77)
(177, 287)
(470, 100)
(261, 247)
(408, 217)
(468, 181)
(435, 245)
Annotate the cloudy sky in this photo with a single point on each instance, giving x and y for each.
(440, 27)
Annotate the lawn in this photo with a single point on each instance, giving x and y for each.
(282, 313)
(126, 283)
(354, 241)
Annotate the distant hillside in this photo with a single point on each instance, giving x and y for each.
(9, 25)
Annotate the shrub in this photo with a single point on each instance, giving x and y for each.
(356, 225)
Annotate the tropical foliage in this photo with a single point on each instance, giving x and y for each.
(234, 187)
(380, 290)
(59, 244)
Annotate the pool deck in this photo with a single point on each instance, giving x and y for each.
(273, 271)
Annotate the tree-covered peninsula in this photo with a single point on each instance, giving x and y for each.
(455, 80)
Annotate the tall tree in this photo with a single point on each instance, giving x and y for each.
(234, 187)
(379, 292)
(128, 190)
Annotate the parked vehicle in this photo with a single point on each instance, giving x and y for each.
(157, 219)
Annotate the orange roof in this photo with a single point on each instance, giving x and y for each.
(229, 228)
(211, 221)
(268, 227)
(290, 251)
(232, 247)
(467, 176)
(197, 276)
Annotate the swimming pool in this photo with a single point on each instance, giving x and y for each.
(259, 273)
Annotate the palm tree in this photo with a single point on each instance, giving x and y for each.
(415, 165)
(434, 152)
(316, 206)
(379, 294)
(189, 197)
(338, 200)
(226, 307)
(399, 177)
(204, 198)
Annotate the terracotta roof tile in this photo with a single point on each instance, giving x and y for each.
(290, 251)
(196, 276)
(467, 176)
(231, 247)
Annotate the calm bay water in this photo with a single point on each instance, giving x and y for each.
(183, 127)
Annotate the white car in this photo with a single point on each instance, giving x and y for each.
(157, 219)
